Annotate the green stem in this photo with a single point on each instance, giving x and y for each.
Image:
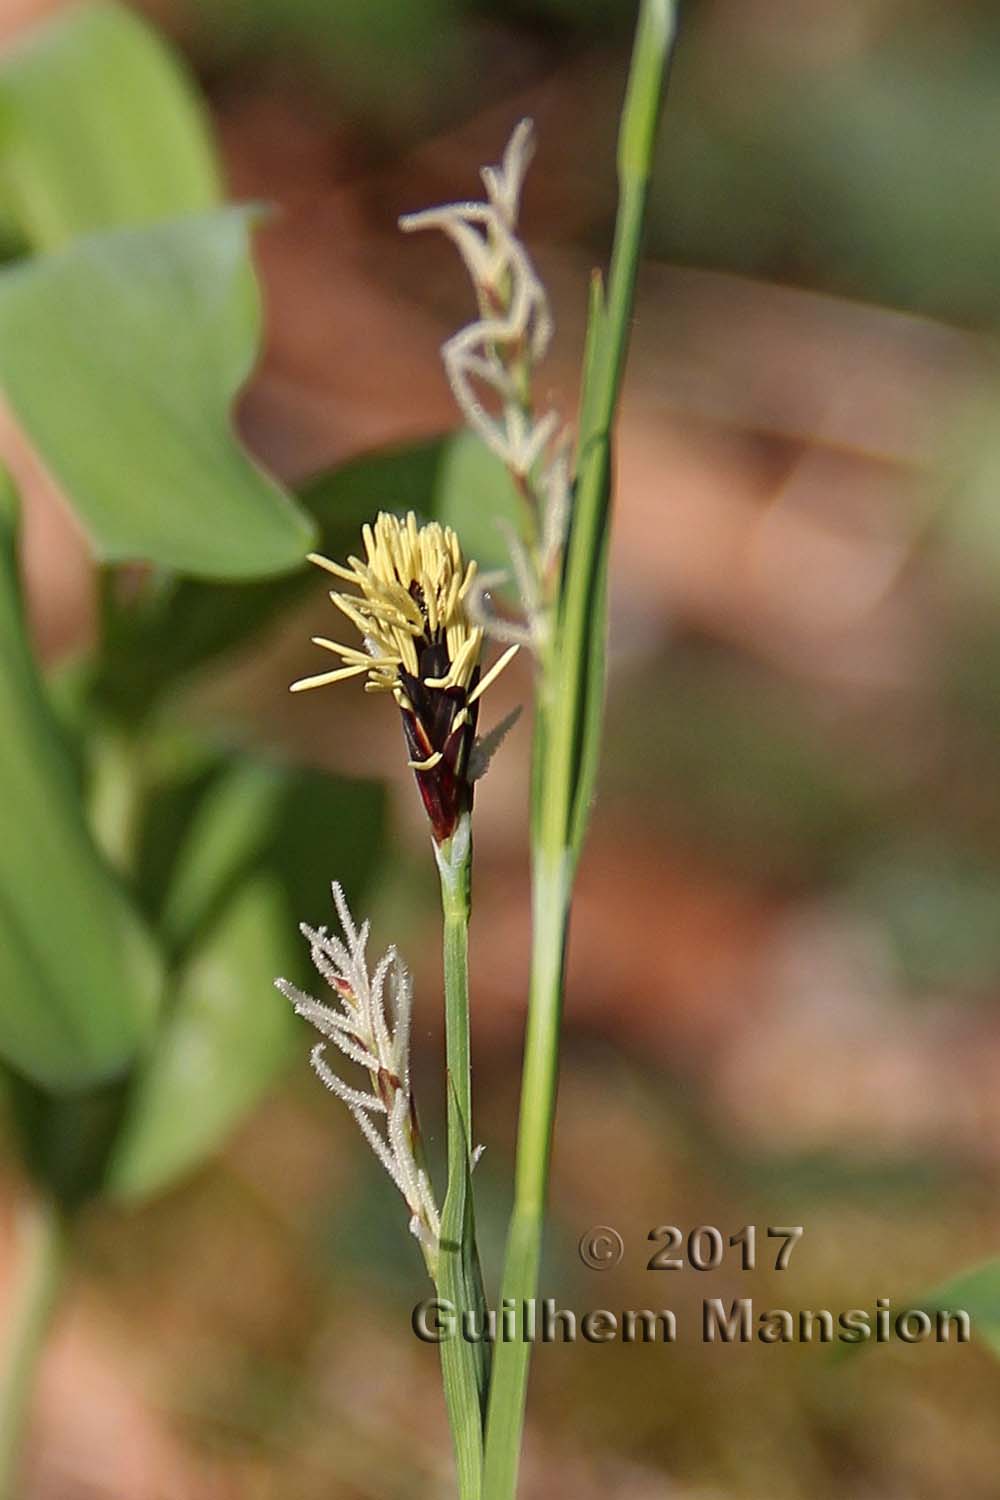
(508, 1389)
(459, 1282)
(567, 737)
(454, 859)
(42, 1253)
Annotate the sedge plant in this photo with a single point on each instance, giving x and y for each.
(424, 617)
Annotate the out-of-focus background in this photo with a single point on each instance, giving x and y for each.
(785, 966)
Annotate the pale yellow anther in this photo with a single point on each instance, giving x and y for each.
(425, 765)
(409, 654)
(325, 677)
(411, 586)
(493, 673)
(346, 653)
(348, 607)
(466, 658)
(332, 567)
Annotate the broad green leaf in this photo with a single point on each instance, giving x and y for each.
(99, 126)
(228, 1032)
(121, 357)
(78, 977)
(261, 848)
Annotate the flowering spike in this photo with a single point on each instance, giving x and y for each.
(514, 327)
(490, 365)
(423, 645)
(370, 1024)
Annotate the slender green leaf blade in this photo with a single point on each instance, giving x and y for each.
(99, 126)
(560, 789)
(592, 718)
(121, 357)
(593, 666)
(78, 974)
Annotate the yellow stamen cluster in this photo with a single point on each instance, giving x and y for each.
(413, 589)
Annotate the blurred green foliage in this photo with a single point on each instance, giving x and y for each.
(99, 125)
(77, 971)
(939, 908)
(977, 1292)
(124, 345)
(121, 356)
(227, 1035)
(175, 871)
(868, 177)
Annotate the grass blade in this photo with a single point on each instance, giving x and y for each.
(567, 742)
